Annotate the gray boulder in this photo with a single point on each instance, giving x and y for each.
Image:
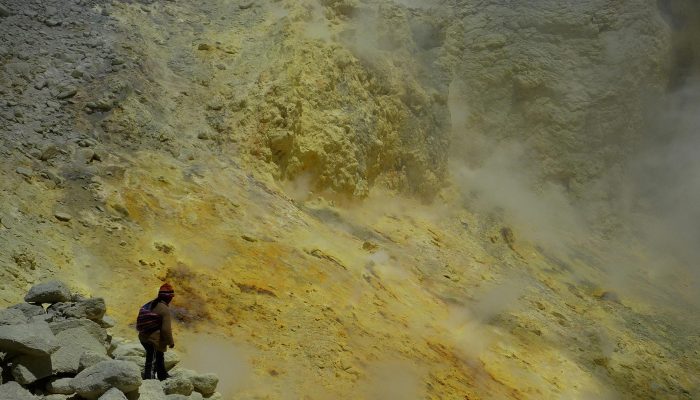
(172, 358)
(14, 391)
(178, 385)
(56, 397)
(113, 394)
(29, 310)
(129, 349)
(93, 309)
(95, 329)
(60, 386)
(28, 369)
(49, 292)
(12, 316)
(96, 380)
(32, 339)
(176, 396)
(73, 343)
(205, 383)
(88, 359)
(151, 389)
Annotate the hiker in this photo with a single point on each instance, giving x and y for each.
(155, 332)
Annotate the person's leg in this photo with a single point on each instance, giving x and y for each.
(160, 366)
(148, 368)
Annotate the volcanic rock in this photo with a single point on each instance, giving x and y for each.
(13, 391)
(49, 292)
(60, 386)
(151, 389)
(31, 339)
(205, 383)
(178, 385)
(113, 394)
(98, 379)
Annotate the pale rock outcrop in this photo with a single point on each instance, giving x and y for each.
(96, 380)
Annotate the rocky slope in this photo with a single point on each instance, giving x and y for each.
(65, 351)
(286, 165)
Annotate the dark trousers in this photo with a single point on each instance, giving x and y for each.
(159, 357)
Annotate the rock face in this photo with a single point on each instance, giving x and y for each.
(50, 292)
(98, 379)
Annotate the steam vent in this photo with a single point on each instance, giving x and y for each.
(349, 199)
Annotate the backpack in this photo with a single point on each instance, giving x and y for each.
(148, 321)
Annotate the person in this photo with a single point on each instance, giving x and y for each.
(155, 332)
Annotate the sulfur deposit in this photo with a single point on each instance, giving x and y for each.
(354, 199)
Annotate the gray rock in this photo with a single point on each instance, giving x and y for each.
(93, 309)
(12, 316)
(107, 322)
(113, 394)
(29, 310)
(151, 389)
(176, 397)
(4, 11)
(129, 349)
(31, 339)
(24, 171)
(67, 93)
(95, 330)
(13, 391)
(88, 359)
(96, 380)
(73, 343)
(28, 369)
(60, 386)
(172, 358)
(140, 361)
(49, 152)
(56, 397)
(216, 396)
(205, 383)
(61, 216)
(49, 292)
(178, 385)
(196, 396)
